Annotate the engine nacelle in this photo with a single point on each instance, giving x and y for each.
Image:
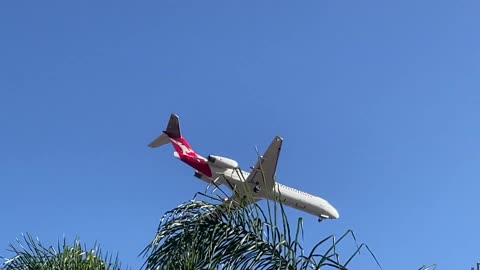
(222, 162)
(202, 177)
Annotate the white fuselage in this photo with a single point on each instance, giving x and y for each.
(235, 178)
(259, 184)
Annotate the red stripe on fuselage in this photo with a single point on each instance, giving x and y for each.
(189, 156)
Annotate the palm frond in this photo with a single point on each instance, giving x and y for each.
(428, 267)
(203, 235)
(30, 254)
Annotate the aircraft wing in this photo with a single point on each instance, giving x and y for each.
(263, 174)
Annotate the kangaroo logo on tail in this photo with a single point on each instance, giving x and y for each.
(185, 149)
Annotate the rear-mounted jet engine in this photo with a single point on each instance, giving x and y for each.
(222, 162)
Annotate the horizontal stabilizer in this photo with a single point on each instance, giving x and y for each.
(161, 140)
(173, 131)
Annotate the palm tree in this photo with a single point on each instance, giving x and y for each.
(204, 233)
(201, 234)
(30, 254)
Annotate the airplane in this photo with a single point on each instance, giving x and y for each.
(258, 184)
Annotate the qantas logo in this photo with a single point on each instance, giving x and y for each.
(185, 150)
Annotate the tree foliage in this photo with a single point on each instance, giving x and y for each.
(30, 254)
(203, 235)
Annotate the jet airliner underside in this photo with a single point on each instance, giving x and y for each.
(258, 184)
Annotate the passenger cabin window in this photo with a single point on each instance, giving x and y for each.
(295, 190)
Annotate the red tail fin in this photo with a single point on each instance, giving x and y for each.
(182, 148)
(174, 135)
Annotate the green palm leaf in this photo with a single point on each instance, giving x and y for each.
(202, 235)
(31, 254)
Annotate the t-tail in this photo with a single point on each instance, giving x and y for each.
(173, 135)
(183, 150)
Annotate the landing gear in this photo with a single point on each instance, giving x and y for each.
(322, 217)
(257, 188)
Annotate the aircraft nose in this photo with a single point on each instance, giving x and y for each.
(334, 213)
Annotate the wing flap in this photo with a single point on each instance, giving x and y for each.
(263, 174)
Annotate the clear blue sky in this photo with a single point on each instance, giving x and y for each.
(378, 103)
